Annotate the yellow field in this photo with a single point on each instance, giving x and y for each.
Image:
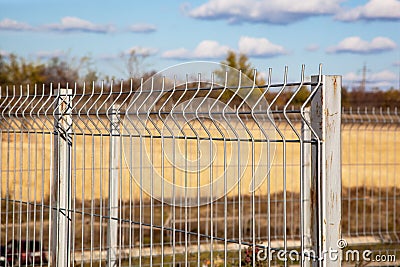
(369, 158)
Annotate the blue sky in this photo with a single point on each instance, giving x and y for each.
(343, 35)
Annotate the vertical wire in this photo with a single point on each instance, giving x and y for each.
(269, 179)
(380, 177)
(162, 181)
(372, 191)
(357, 177)
(141, 188)
(131, 198)
(238, 172)
(8, 167)
(198, 185)
(28, 202)
(120, 127)
(83, 166)
(387, 174)
(253, 207)
(21, 171)
(57, 167)
(174, 181)
(198, 164)
(101, 153)
(301, 143)
(14, 218)
(151, 183)
(7, 196)
(186, 186)
(211, 179)
(1, 175)
(83, 190)
(349, 154)
(92, 177)
(395, 177)
(50, 167)
(238, 167)
(101, 177)
(284, 161)
(210, 139)
(365, 128)
(121, 207)
(74, 177)
(165, 124)
(21, 167)
(176, 142)
(253, 226)
(284, 185)
(151, 147)
(130, 190)
(319, 196)
(318, 148)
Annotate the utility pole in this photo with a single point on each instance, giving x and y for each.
(364, 78)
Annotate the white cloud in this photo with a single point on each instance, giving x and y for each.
(264, 11)
(383, 85)
(142, 28)
(142, 51)
(13, 25)
(382, 79)
(373, 10)
(396, 63)
(73, 24)
(210, 49)
(259, 47)
(356, 45)
(206, 49)
(384, 75)
(180, 53)
(351, 77)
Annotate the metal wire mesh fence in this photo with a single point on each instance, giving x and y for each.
(200, 172)
(370, 193)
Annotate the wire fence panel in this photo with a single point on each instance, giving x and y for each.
(370, 194)
(192, 172)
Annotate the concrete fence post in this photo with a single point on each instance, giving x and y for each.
(326, 169)
(61, 189)
(112, 230)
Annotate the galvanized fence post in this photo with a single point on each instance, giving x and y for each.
(112, 231)
(61, 190)
(326, 169)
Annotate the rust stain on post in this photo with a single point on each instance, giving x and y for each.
(334, 84)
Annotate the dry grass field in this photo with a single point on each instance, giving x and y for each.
(369, 159)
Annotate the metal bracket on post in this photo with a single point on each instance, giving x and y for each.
(112, 231)
(326, 169)
(61, 190)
